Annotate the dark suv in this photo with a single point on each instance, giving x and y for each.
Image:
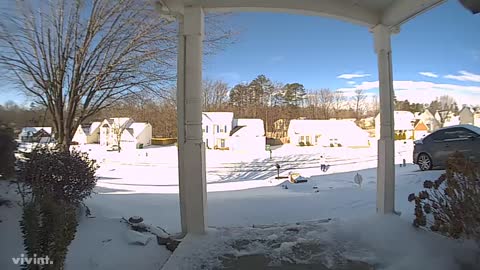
(434, 149)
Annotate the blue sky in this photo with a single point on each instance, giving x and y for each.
(315, 51)
(443, 43)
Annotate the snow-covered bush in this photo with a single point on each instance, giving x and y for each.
(66, 176)
(301, 143)
(7, 149)
(450, 205)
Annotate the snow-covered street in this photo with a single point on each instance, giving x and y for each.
(242, 189)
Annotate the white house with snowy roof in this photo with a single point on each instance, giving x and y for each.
(404, 122)
(222, 131)
(132, 134)
(327, 133)
(87, 133)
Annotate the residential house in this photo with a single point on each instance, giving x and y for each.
(280, 128)
(420, 129)
(87, 133)
(367, 123)
(476, 118)
(429, 120)
(131, 134)
(222, 131)
(445, 117)
(216, 127)
(451, 121)
(247, 135)
(466, 115)
(327, 133)
(403, 124)
(35, 134)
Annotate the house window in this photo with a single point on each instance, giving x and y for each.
(307, 139)
(225, 128)
(302, 138)
(206, 129)
(222, 143)
(218, 129)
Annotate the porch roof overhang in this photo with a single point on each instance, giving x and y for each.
(369, 13)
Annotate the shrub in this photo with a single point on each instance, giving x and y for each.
(53, 184)
(66, 176)
(308, 144)
(48, 227)
(450, 205)
(7, 149)
(301, 143)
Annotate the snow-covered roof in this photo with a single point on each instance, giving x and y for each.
(251, 127)
(89, 129)
(26, 130)
(217, 117)
(118, 121)
(137, 128)
(325, 127)
(403, 120)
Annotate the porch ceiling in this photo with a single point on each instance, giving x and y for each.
(368, 13)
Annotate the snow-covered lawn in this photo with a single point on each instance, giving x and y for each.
(243, 191)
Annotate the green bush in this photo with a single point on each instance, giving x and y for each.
(66, 176)
(53, 184)
(48, 227)
(7, 149)
(308, 144)
(450, 205)
(301, 143)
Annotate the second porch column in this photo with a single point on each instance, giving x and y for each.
(386, 143)
(191, 152)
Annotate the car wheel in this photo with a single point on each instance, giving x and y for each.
(424, 162)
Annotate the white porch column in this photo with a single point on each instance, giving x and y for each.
(191, 150)
(386, 143)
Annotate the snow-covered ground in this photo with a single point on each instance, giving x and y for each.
(243, 191)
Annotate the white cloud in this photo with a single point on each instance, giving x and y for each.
(428, 74)
(464, 76)
(425, 92)
(349, 76)
(351, 82)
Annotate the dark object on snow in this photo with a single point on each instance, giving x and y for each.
(293, 230)
(172, 244)
(278, 170)
(135, 219)
(324, 167)
(316, 191)
(286, 187)
(315, 187)
(162, 240)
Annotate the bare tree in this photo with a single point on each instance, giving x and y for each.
(326, 98)
(79, 57)
(215, 94)
(374, 105)
(359, 100)
(339, 100)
